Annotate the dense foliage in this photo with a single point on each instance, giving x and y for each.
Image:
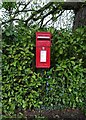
(61, 86)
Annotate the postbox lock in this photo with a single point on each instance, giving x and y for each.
(43, 48)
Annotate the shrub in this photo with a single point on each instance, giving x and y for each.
(61, 86)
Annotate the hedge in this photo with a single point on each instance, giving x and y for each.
(25, 87)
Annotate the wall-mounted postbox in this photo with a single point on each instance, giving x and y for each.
(43, 43)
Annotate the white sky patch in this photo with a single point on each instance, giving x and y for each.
(63, 21)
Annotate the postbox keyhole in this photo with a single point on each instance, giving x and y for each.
(43, 48)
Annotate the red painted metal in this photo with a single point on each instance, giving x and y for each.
(43, 43)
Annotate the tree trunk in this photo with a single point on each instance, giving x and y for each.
(80, 18)
(79, 10)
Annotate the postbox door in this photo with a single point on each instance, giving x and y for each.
(42, 57)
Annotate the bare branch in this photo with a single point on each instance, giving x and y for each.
(38, 14)
(52, 17)
(38, 11)
(23, 8)
(72, 5)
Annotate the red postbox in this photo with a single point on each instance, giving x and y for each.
(43, 43)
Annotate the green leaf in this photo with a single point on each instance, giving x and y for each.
(73, 62)
(61, 51)
(7, 33)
